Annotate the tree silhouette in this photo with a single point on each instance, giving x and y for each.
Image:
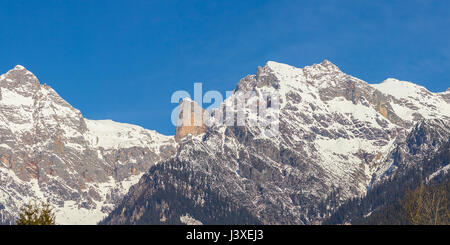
(34, 214)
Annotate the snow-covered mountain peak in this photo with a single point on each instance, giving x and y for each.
(334, 132)
(283, 77)
(400, 89)
(401, 102)
(390, 80)
(278, 66)
(327, 66)
(19, 67)
(20, 80)
(326, 62)
(49, 151)
(330, 137)
(309, 78)
(413, 102)
(324, 66)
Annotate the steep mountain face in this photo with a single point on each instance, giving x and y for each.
(48, 151)
(425, 140)
(190, 119)
(422, 157)
(327, 139)
(333, 137)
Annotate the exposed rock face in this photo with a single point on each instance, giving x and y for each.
(191, 120)
(423, 156)
(423, 141)
(335, 137)
(48, 151)
(336, 133)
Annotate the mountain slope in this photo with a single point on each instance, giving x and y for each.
(48, 151)
(423, 157)
(333, 138)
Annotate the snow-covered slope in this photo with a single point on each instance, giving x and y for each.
(330, 138)
(332, 141)
(412, 102)
(113, 135)
(48, 151)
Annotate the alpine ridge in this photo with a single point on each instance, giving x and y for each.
(339, 137)
(336, 139)
(50, 152)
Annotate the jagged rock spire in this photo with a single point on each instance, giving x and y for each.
(190, 119)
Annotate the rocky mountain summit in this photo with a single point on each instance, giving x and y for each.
(336, 138)
(49, 151)
(290, 146)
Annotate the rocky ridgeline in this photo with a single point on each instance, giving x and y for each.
(49, 151)
(337, 138)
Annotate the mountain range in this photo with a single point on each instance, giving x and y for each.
(338, 139)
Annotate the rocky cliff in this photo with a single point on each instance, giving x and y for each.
(334, 140)
(318, 139)
(190, 119)
(49, 151)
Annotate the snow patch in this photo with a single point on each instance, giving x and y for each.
(442, 170)
(188, 220)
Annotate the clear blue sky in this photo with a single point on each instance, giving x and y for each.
(122, 60)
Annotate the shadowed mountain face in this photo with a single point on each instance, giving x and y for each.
(49, 151)
(337, 136)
